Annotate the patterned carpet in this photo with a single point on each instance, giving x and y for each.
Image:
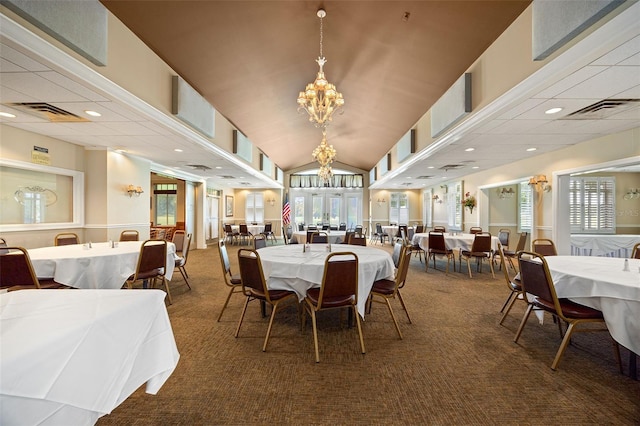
(456, 365)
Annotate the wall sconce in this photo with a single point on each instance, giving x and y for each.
(542, 181)
(381, 201)
(271, 202)
(506, 193)
(436, 199)
(134, 190)
(631, 194)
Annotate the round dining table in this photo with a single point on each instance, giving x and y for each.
(100, 266)
(291, 267)
(335, 237)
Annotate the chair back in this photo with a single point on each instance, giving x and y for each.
(228, 229)
(319, 237)
(251, 272)
(359, 229)
(378, 228)
(340, 281)
(16, 269)
(544, 247)
(301, 227)
(357, 240)
(325, 226)
(224, 261)
(185, 248)
(342, 227)
(243, 229)
(65, 239)
(503, 237)
(436, 242)
(475, 230)
(503, 264)
(259, 242)
(536, 279)
(412, 232)
(129, 235)
(347, 237)
(481, 243)
(160, 234)
(635, 253)
(152, 258)
(398, 246)
(403, 268)
(522, 241)
(439, 229)
(309, 235)
(267, 227)
(178, 240)
(419, 229)
(403, 231)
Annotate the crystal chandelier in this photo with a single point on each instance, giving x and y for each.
(324, 154)
(320, 99)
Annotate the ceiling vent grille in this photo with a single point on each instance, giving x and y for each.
(448, 167)
(603, 109)
(425, 177)
(48, 112)
(200, 167)
(226, 177)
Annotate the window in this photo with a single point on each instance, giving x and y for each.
(592, 205)
(427, 210)
(454, 206)
(353, 210)
(525, 207)
(399, 208)
(254, 211)
(166, 195)
(298, 210)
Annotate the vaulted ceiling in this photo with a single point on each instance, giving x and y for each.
(391, 60)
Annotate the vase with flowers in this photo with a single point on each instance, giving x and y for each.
(469, 201)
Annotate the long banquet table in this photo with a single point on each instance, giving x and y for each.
(603, 245)
(289, 268)
(601, 283)
(69, 357)
(455, 241)
(100, 266)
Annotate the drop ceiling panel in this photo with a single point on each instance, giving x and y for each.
(20, 59)
(34, 86)
(573, 79)
(72, 86)
(605, 84)
(620, 54)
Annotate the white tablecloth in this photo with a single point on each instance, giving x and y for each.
(98, 267)
(289, 268)
(460, 241)
(335, 237)
(71, 356)
(603, 245)
(253, 229)
(392, 230)
(600, 283)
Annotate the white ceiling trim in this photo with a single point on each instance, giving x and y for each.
(48, 53)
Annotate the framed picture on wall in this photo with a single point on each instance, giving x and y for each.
(228, 205)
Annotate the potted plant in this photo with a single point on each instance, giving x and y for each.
(469, 201)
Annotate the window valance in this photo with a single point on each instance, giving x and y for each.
(336, 181)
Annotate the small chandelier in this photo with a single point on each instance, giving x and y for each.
(325, 173)
(320, 99)
(324, 154)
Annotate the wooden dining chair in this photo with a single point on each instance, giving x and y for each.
(439, 229)
(65, 239)
(513, 284)
(538, 285)
(234, 282)
(475, 230)
(384, 290)
(178, 240)
(259, 242)
(438, 247)
(129, 235)
(267, 232)
(151, 267)
(254, 287)
(480, 251)
(357, 240)
(635, 253)
(339, 289)
(513, 254)
(319, 238)
(17, 273)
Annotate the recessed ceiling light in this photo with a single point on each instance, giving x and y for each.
(408, 177)
(475, 167)
(553, 110)
(7, 114)
(218, 167)
(470, 149)
(531, 149)
(93, 113)
(177, 150)
(430, 167)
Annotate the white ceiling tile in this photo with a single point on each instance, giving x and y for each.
(20, 59)
(522, 107)
(37, 87)
(605, 84)
(633, 60)
(79, 108)
(568, 106)
(7, 66)
(571, 80)
(72, 86)
(632, 93)
(620, 53)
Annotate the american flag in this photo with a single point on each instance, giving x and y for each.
(286, 211)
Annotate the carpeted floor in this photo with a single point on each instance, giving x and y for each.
(456, 365)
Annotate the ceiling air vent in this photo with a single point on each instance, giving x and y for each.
(48, 112)
(448, 167)
(424, 177)
(200, 167)
(603, 109)
(226, 177)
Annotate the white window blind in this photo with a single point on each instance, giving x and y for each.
(592, 205)
(399, 208)
(254, 211)
(454, 206)
(525, 207)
